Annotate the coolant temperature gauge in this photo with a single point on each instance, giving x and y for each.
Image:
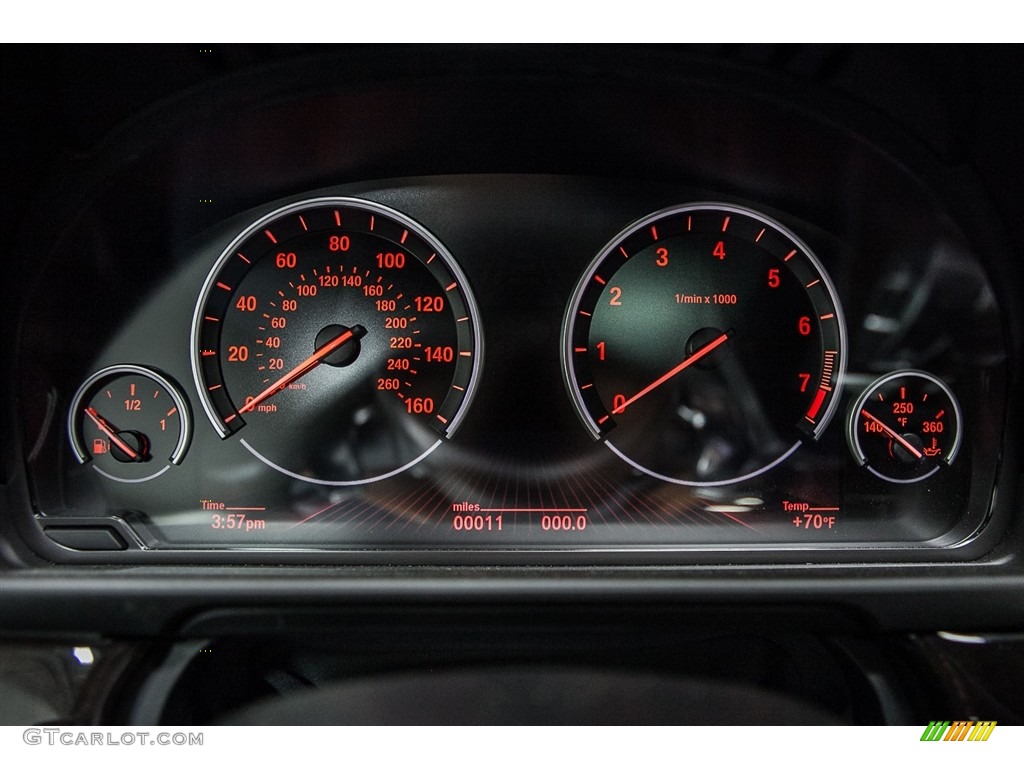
(905, 427)
(130, 423)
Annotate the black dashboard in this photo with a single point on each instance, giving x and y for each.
(655, 344)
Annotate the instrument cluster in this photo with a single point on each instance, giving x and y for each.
(397, 348)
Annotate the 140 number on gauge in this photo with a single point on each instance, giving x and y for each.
(338, 339)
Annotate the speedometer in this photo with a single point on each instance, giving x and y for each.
(338, 339)
(704, 344)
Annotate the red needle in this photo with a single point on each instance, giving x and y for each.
(100, 422)
(301, 369)
(898, 438)
(702, 352)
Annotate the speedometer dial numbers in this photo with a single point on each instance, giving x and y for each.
(704, 344)
(339, 339)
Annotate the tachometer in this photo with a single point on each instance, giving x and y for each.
(703, 344)
(339, 339)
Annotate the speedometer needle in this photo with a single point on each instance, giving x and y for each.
(893, 434)
(305, 366)
(707, 349)
(107, 430)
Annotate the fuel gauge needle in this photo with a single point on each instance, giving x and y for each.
(307, 365)
(707, 349)
(893, 434)
(106, 429)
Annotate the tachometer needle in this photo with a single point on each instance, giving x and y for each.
(305, 366)
(893, 434)
(107, 430)
(707, 349)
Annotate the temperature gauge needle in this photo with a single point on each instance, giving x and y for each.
(106, 429)
(305, 366)
(892, 433)
(707, 349)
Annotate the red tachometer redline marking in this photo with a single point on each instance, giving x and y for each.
(893, 434)
(105, 429)
(819, 398)
(270, 234)
(707, 349)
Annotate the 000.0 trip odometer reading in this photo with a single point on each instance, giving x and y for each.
(339, 339)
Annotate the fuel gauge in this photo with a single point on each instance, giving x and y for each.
(130, 422)
(905, 427)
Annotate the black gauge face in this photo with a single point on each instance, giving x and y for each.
(704, 344)
(905, 427)
(339, 341)
(130, 423)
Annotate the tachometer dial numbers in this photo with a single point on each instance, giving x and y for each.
(339, 339)
(905, 427)
(704, 344)
(131, 423)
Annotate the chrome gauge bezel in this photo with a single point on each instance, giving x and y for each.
(445, 258)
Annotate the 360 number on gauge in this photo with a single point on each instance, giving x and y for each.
(339, 339)
(704, 344)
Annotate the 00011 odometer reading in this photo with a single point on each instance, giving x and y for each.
(339, 338)
(703, 344)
